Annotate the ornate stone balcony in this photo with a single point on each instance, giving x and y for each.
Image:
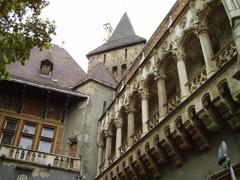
(225, 54)
(37, 158)
(185, 125)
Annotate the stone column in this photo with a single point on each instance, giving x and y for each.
(182, 75)
(232, 8)
(207, 50)
(145, 110)
(108, 135)
(100, 154)
(119, 125)
(130, 122)
(162, 96)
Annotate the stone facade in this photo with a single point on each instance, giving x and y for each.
(178, 100)
(116, 61)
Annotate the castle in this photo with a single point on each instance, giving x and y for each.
(156, 109)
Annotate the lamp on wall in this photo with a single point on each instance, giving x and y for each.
(223, 159)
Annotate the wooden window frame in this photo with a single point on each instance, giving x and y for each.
(52, 140)
(36, 137)
(8, 131)
(23, 134)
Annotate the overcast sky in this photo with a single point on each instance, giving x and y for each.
(80, 22)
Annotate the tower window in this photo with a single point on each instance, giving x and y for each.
(124, 68)
(126, 54)
(104, 58)
(114, 71)
(104, 106)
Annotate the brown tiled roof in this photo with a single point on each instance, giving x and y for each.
(66, 72)
(100, 74)
(123, 35)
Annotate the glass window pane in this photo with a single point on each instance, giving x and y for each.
(26, 143)
(7, 139)
(47, 132)
(29, 128)
(45, 146)
(11, 125)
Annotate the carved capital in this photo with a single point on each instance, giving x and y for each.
(118, 123)
(158, 76)
(201, 29)
(129, 109)
(144, 94)
(108, 133)
(179, 55)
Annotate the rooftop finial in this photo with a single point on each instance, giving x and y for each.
(108, 29)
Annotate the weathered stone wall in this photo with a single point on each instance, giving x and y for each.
(116, 58)
(9, 171)
(83, 121)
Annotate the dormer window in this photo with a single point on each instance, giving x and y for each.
(46, 68)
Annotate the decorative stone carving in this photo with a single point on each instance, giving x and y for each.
(183, 23)
(148, 66)
(225, 55)
(118, 123)
(22, 177)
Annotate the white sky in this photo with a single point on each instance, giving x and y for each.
(80, 22)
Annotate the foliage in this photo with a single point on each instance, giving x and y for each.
(21, 29)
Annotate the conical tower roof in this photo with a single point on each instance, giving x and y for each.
(123, 35)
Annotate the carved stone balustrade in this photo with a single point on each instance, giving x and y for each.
(123, 148)
(40, 158)
(173, 102)
(198, 80)
(225, 54)
(112, 158)
(153, 121)
(137, 135)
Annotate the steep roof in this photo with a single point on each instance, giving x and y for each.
(123, 35)
(65, 72)
(100, 74)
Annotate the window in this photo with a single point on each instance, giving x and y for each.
(124, 68)
(45, 70)
(26, 142)
(9, 131)
(126, 54)
(73, 149)
(104, 106)
(104, 58)
(28, 134)
(47, 132)
(114, 72)
(29, 128)
(46, 67)
(46, 139)
(31, 135)
(45, 146)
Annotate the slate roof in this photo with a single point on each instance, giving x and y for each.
(100, 74)
(123, 35)
(66, 72)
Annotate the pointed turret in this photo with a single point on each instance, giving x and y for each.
(123, 35)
